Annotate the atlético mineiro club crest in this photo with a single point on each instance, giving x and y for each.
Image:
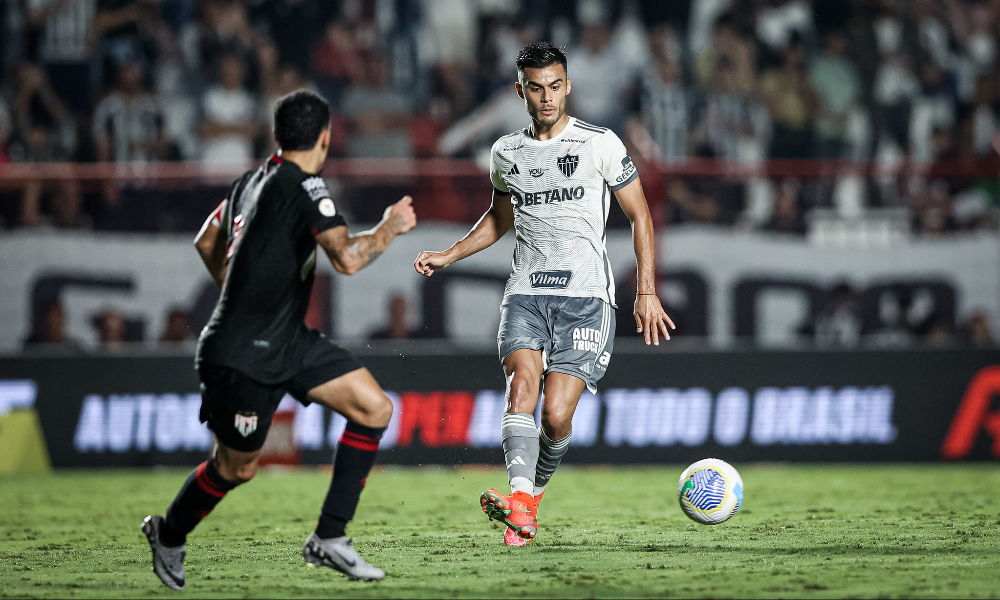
(246, 424)
(567, 164)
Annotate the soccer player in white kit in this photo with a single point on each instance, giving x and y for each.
(553, 182)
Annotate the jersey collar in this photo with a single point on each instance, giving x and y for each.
(533, 142)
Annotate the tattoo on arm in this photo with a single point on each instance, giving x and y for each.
(366, 247)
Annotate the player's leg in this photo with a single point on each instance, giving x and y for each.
(523, 334)
(523, 373)
(360, 399)
(336, 380)
(238, 410)
(523, 370)
(583, 340)
(562, 394)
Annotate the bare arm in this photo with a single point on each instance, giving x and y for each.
(491, 227)
(351, 253)
(650, 318)
(211, 246)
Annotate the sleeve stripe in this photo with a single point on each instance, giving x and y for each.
(501, 192)
(589, 128)
(635, 174)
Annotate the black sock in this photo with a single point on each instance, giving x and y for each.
(204, 488)
(355, 457)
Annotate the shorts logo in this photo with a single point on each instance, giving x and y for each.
(316, 188)
(567, 164)
(587, 339)
(555, 280)
(246, 424)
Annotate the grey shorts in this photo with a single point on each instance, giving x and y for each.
(576, 335)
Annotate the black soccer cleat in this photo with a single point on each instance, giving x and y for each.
(168, 563)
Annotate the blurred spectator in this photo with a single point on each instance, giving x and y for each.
(119, 34)
(231, 117)
(895, 85)
(111, 328)
(839, 323)
(729, 47)
(336, 63)
(128, 124)
(666, 104)
(49, 331)
(379, 117)
(939, 335)
(985, 122)
(978, 331)
(396, 327)
(779, 24)
(293, 26)
(933, 210)
(838, 87)
(933, 110)
(452, 30)
(732, 124)
(174, 87)
(476, 132)
(792, 103)
(223, 28)
(689, 206)
(65, 47)
(43, 132)
(787, 217)
(602, 76)
(177, 329)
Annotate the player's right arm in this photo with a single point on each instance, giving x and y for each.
(350, 253)
(211, 244)
(491, 227)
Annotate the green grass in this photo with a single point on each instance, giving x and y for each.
(804, 531)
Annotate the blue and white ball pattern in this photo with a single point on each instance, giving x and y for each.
(710, 491)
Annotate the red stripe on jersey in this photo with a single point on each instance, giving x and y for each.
(217, 214)
(201, 478)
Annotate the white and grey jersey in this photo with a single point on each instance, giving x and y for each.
(559, 190)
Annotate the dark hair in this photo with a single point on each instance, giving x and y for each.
(538, 55)
(299, 118)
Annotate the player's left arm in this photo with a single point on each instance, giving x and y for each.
(650, 318)
(350, 253)
(211, 245)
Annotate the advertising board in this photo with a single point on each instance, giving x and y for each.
(653, 407)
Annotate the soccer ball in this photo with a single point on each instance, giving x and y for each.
(710, 491)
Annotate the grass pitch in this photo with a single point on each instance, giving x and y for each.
(804, 531)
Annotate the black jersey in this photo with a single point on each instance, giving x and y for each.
(270, 218)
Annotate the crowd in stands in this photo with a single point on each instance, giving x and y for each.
(895, 81)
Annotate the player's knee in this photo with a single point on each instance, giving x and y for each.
(246, 472)
(382, 411)
(558, 420)
(236, 471)
(375, 411)
(523, 392)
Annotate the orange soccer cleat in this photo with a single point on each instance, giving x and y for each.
(517, 511)
(511, 538)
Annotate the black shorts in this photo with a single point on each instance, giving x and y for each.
(238, 409)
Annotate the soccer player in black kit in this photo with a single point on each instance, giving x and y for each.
(260, 247)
